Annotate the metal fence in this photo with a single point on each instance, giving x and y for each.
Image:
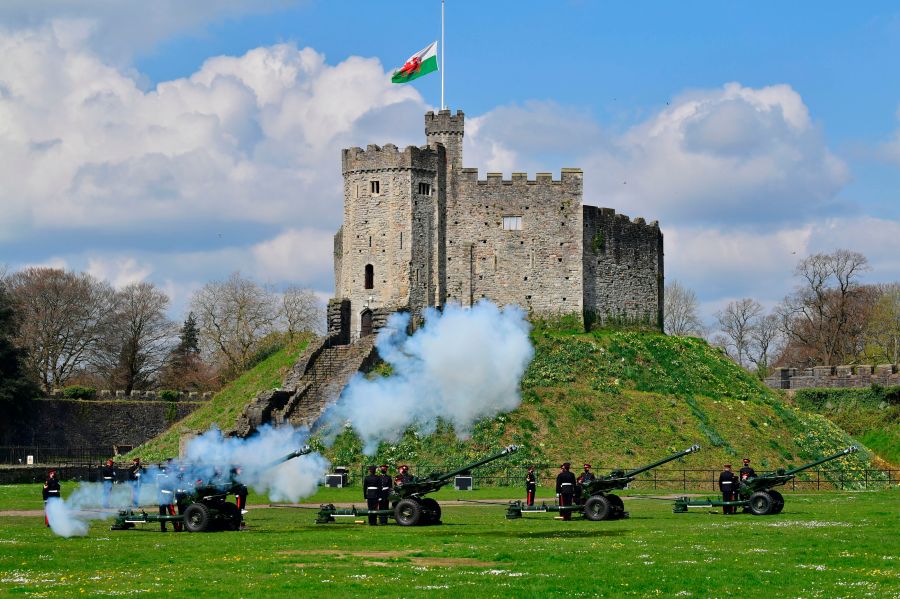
(18, 455)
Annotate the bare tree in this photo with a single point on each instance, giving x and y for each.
(882, 335)
(136, 345)
(233, 317)
(737, 322)
(823, 319)
(64, 316)
(681, 311)
(302, 311)
(766, 343)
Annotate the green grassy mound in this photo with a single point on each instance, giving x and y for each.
(872, 415)
(225, 406)
(629, 398)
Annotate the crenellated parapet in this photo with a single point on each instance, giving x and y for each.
(886, 375)
(444, 122)
(388, 157)
(567, 176)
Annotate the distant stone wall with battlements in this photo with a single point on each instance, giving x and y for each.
(886, 375)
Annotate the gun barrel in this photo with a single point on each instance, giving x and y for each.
(674, 456)
(506, 451)
(841, 453)
(306, 449)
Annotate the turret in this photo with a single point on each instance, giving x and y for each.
(447, 129)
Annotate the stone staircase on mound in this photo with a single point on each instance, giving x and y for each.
(314, 382)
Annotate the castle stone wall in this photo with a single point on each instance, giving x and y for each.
(96, 423)
(538, 267)
(392, 229)
(886, 375)
(623, 268)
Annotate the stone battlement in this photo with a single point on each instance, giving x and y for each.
(567, 175)
(609, 214)
(377, 158)
(443, 122)
(887, 375)
(107, 394)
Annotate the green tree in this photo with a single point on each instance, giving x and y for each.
(15, 385)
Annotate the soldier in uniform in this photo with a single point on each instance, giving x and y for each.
(135, 471)
(585, 477)
(403, 475)
(384, 500)
(240, 492)
(165, 485)
(530, 486)
(372, 494)
(51, 489)
(565, 488)
(746, 471)
(728, 485)
(108, 477)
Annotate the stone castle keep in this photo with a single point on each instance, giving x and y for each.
(420, 230)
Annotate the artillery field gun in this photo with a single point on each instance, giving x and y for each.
(756, 494)
(409, 506)
(592, 498)
(204, 507)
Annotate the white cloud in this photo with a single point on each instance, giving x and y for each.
(255, 138)
(295, 255)
(119, 271)
(118, 29)
(728, 155)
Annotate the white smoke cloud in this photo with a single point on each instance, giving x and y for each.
(209, 459)
(461, 366)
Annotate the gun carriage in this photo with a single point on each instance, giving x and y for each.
(756, 494)
(205, 507)
(592, 498)
(409, 506)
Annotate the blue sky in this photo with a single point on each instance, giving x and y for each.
(176, 142)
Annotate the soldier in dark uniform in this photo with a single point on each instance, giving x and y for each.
(585, 477)
(51, 489)
(403, 475)
(372, 494)
(135, 471)
(530, 486)
(384, 499)
(728, 483)
(565, 489)
(108, 477)
(165, 485)
(240, 491)
(746, 471)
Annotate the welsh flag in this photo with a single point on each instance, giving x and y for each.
(419, 64)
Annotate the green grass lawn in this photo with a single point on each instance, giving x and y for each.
(823, 545)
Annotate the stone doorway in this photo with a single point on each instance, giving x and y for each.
(365, 323)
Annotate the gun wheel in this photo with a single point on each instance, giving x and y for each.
(408, 512)
(196, 517)
(433, 509)
(761, 503)
(777, 502)
(596, 508)
(231, 516)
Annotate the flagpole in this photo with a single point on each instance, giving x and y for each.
(443, 106)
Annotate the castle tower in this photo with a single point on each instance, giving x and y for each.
(386, 253)
(447, 130)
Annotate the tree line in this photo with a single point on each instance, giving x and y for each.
(60, 327)
(830, 317)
